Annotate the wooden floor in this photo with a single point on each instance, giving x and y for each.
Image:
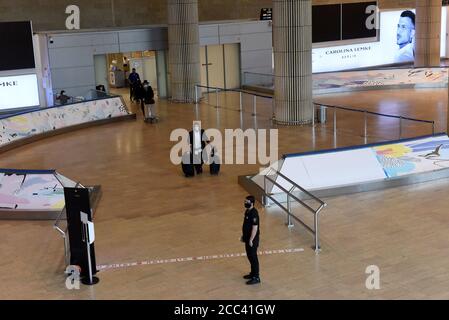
(149, 211)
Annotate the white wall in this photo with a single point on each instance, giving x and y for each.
(71, 55)
(255, 38)
(101, 71)
(161, 68)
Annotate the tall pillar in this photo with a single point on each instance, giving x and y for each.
(428, 33)
(292, 36)
(183, 49)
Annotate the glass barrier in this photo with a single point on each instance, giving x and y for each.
(91, 95)
(351, 80)
(58, 101)
(258, 80)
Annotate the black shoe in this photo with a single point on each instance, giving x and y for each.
(248, 276)
(253, 281)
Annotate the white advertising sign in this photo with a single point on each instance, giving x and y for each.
(328, 170)
(395, 45)
(19, 92)
(358, 166)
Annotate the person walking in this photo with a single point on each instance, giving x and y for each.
(133, 78)
(148, 102)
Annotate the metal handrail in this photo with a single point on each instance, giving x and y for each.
(374, 68)
(241, 92)
(288, 210)
(366, 112)
(236, 90)
(259, 74)
(321, 104)
(373, 113)
(315, 104)
(301, 188)
(292, 195)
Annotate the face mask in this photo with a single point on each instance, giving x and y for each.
(247, 205)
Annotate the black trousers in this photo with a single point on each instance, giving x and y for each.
(142, 106)
(251, 253)
(131, 92)
(199, 168)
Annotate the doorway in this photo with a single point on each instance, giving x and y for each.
(220, 66)
(112, 70)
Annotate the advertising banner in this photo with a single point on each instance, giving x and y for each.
(396, 44)
(19, 92)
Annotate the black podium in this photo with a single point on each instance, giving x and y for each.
(77, 201)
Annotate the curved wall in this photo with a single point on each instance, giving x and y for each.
(27, 125)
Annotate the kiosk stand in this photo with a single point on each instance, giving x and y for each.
(81, 233)
(88, 238)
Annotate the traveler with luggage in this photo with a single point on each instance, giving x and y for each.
(147, 102)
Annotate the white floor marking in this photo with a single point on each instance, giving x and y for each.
(190, 259)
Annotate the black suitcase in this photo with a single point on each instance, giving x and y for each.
(214, 168)
(188, 170)
(187, 166)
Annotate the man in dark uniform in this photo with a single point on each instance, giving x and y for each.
(250, 236)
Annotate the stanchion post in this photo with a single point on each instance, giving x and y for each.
(317, 240)
(66, 250)
(254, 106)
(335, 120)
(313, 115)
(289, 209)
(216, 93)
(265, 200)
(241, 101)
(365, 133)
(196, 94)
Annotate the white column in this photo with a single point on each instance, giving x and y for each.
(292, 36)
(184, 49)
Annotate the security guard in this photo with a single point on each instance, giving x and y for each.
(250, 236)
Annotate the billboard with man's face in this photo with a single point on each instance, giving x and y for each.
(406, 37)
(396, 44)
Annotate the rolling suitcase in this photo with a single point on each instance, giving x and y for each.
(187, 165)
(188, 170)
(149, 114)
(214, 167)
